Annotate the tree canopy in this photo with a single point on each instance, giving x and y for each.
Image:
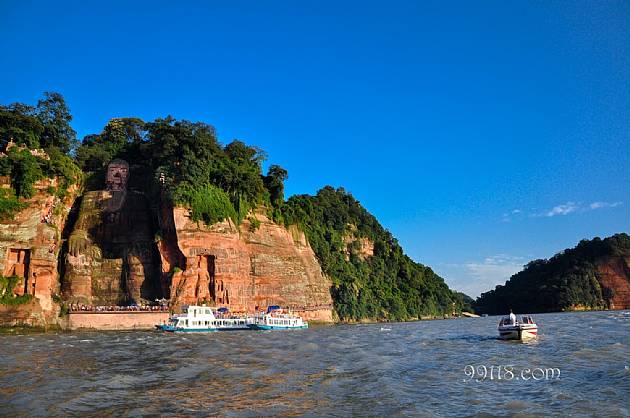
(31, 128)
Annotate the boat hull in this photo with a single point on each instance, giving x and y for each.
(275, 327)
(243, 328)
(170, 328)
(518, 332)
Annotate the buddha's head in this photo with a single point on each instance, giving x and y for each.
(117, 175)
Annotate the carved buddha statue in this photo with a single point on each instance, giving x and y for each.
(112, 249)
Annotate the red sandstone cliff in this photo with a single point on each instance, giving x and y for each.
(614, 278)
(30, 243)
(242, 268)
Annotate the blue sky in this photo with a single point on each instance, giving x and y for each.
(482, 134)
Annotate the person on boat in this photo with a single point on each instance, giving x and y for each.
(512, 318)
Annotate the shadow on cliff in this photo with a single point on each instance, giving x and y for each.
(68, 227)
(129, 234)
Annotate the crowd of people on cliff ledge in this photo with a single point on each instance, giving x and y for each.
(76, 307)
(308, 308)
(79, 307)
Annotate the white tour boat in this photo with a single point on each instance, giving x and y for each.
(194, 319)
(275, 318)
(522, 329)
(224, 321)
(205, 319)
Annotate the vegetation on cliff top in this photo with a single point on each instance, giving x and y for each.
(185, 163)
(32, 129)
(566, 280)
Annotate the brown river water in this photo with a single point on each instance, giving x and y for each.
(427, 368)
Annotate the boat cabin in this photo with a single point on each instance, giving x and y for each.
(525, 319)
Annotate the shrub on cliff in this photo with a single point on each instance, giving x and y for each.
(7, 286)
(61, 166)
(25, 170)
(9, 204)
(207, 203)
(254, 223)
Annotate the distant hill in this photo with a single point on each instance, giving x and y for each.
(593, 275)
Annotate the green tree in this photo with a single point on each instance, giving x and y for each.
(25, 171)
(274, 182)
(183, 152)
(54, 114)
(121, 138)
(17, 123)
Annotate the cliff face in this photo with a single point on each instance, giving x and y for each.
(121, 251)
(614, 278)
(242, 268)
(30, 243)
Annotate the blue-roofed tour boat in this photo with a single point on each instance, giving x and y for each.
(277, 319)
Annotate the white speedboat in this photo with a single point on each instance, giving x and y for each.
(522, 329)
(276, 318)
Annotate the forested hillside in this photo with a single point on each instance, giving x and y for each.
(384, 285)
(576, 278)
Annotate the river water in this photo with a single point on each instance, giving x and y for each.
(427, 368)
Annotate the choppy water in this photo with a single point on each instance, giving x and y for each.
(400, 369)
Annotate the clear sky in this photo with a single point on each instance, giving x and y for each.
(482, 134)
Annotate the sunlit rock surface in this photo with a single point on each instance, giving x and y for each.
(30, 244)
(242, 268)
(614, 278)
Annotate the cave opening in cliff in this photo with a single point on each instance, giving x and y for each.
(18, 261)
(207, 263)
